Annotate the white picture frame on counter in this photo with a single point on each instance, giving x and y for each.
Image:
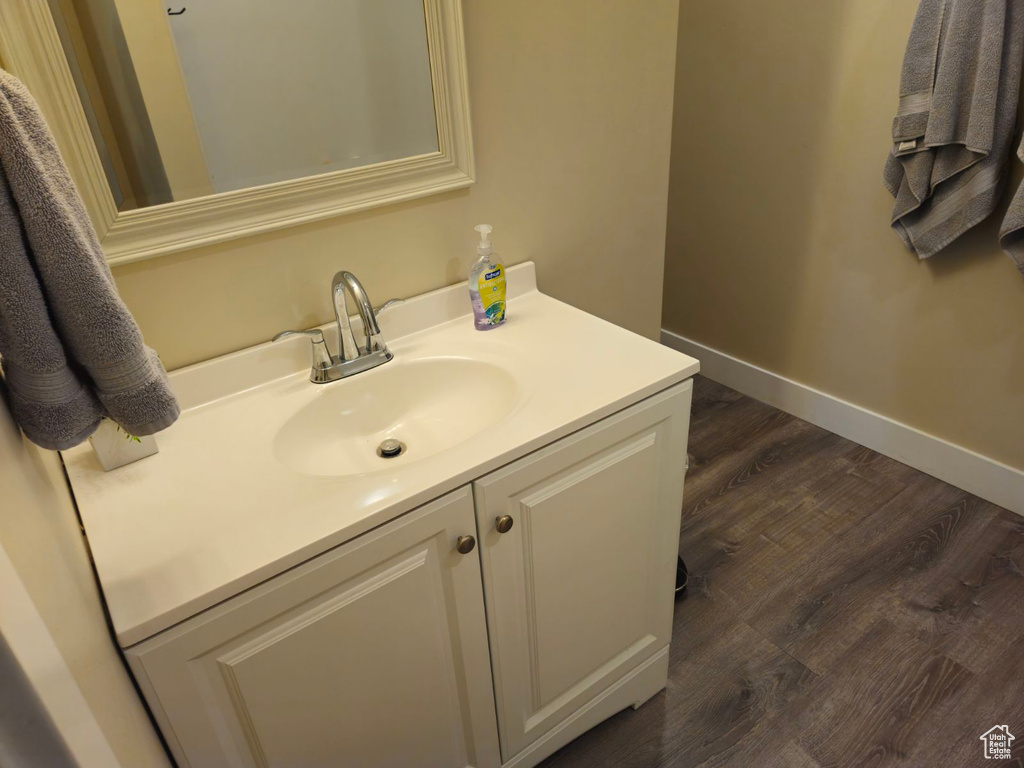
(114, 448)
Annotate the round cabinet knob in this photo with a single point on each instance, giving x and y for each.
(503, 523)
(465, 544)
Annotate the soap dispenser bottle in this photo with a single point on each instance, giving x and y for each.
(487, 284)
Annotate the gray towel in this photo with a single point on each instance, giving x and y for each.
(958, 106)
(70, 350)
(1011, 234)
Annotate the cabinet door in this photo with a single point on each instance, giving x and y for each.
(373, 655)
(579, 590)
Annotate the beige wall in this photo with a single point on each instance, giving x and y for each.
(779, 249)
(39, 534)
(571, 105)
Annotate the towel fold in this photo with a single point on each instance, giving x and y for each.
(954, 130)
(70, 350)
(1011, 233)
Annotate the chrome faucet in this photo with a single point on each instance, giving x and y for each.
(351, 358)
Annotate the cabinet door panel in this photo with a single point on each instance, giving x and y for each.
(579, 591)
(358, 658)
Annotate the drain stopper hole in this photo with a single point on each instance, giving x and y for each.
(390, 448)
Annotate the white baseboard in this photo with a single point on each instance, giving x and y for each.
(977, 474)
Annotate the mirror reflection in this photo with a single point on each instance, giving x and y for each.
(201, 97)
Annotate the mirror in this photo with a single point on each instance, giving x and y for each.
(194, 121)
(221, 95)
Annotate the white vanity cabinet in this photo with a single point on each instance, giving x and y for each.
(371, 655)
(379, 654)
(579, 590)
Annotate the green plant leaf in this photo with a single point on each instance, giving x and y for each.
(128, 435)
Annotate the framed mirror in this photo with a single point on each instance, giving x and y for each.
(193, 122)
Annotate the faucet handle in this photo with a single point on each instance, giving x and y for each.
(315, 335)
(321, 354)
(378, 311)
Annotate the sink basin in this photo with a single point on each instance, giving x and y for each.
(429, 405)
(274, 470)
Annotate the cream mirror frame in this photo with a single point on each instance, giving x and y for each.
(30, 48)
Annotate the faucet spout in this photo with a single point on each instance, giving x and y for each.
(345, 282)
(352, 359)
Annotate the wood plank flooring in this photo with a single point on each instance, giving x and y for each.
(843, 610)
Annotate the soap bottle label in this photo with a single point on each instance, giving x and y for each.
(492, 294)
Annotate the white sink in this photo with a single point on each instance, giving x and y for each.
(265, 470)
(429, 405)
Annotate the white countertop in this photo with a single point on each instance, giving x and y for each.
(215, 512)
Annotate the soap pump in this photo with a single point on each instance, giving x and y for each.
(487, 284)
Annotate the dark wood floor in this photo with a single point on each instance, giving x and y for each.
(843, 610)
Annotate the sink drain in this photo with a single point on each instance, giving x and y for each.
(390, 448)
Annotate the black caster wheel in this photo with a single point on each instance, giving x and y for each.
(682, 576)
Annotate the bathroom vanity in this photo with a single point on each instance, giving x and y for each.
(287, 596)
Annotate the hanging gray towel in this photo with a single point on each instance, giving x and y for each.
(954, 130)
(70, 350)
(1011, 234)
